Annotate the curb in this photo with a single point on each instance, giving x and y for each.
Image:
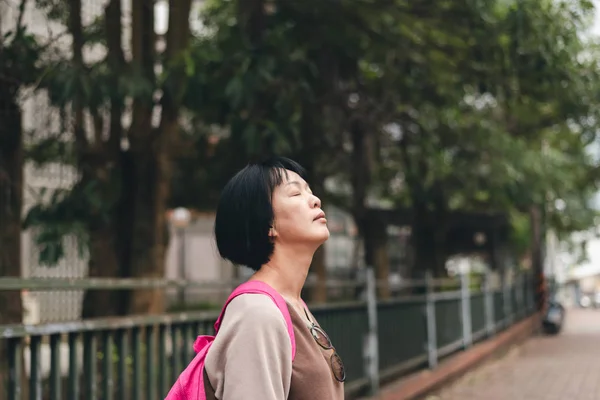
(423, 382)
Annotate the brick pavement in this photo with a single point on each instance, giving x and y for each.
(564, 367)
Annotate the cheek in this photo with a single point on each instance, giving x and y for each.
(288, 216)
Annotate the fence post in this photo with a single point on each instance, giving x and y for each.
(490, 319)
(371, 345)
(532, 292)
(507, 300)
(519, 296)
(535, 281)
(465, 302)
(430, 316)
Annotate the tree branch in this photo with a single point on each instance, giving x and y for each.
(143, 38)
(76, 30)
(22, 7)
(143, 41)
(179, 27)
(116, 62)
(178, 38)
(251, 14)
(98, 122)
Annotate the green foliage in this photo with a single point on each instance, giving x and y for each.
(94, 87)
(521, 232)
(56, 10)
(516, 130)
(469, 105)
(485, 106)
(20, 54)
(51, 149)
(56, 218)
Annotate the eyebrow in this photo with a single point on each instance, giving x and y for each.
(296, 183)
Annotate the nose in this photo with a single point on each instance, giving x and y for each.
(316, 202)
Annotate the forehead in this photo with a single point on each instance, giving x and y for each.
(291, 177)
(290, 180)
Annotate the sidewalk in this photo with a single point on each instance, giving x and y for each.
(564, 367)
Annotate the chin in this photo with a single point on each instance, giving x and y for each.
(324, 236)
(314, 237)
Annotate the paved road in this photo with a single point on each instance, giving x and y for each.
(564, 367)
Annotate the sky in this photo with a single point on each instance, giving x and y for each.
(596, 26)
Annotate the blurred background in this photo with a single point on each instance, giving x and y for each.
(454, 145)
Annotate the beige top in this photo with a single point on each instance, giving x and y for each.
(251, 357)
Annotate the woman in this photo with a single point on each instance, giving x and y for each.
(269, 220)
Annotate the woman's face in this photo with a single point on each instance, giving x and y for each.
(298, 214)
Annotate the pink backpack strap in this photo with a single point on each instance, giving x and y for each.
(258, 287)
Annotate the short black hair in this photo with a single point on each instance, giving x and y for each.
(245, 213)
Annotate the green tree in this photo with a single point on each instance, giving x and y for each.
(503, 139)
(19, 52)
(119, 202)
(438, 110)
(267, 78)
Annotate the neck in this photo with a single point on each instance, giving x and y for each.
(286, 271)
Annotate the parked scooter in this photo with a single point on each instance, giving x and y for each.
(554, 318)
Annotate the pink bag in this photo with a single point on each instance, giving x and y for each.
(190, 384)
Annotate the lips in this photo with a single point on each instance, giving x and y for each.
(319, 216)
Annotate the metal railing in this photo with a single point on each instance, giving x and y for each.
(140, 357)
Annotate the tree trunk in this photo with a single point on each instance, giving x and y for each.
(376, 254)
(429, 242)
(11, 202)
(430, 224)
(359, 175)
(110, 241)
(103, 263)
(372, 231)
(537, 257)
(143, 148)
(429, 252)
(98, 162)
(150, 227)
(151, 149)
(251, 14)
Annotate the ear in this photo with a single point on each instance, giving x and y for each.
(272, 232)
